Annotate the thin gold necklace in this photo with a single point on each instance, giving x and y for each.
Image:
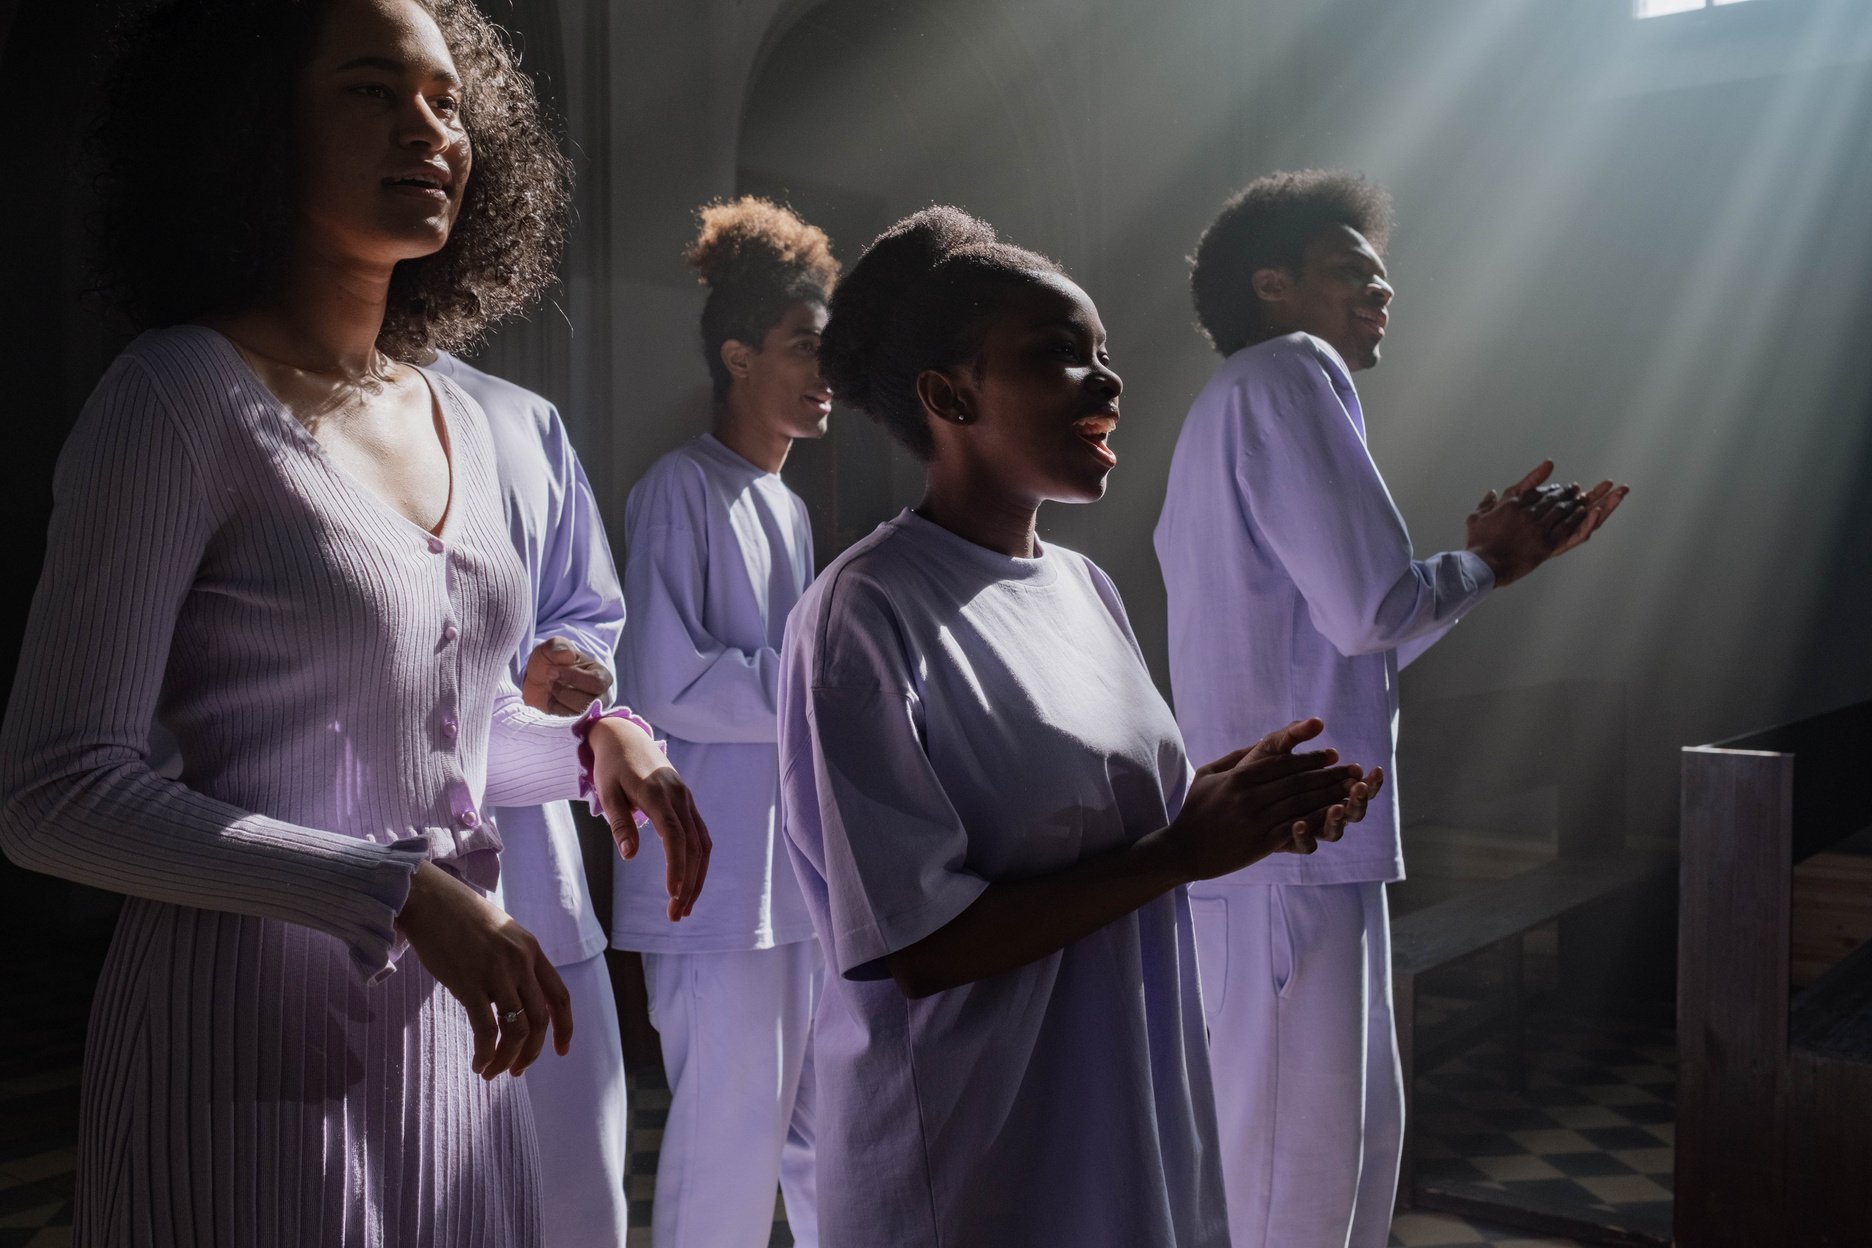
(378, 369)
(346, 389)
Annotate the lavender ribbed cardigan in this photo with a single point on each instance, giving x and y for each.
(262, 1069)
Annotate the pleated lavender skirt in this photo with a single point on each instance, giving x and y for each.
(244, 1088)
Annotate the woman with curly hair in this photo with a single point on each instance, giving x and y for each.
(719, 550)
(989, 805)
(280, 538)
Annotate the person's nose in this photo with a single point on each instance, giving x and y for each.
(1106, 381)
(419, 128)
(1384, 291)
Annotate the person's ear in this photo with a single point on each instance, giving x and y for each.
(737, 357)
(944, 399)
(1271, 285)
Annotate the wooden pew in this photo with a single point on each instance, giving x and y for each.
(1774, 1096)
(1455, 753)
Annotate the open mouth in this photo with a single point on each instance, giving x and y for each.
(1095, 432)
(424, 184)
(1375, 321)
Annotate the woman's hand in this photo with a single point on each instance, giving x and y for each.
(1305, 837)
(629, 772)
(1266, 799)
(1259, 800)
(492, 965)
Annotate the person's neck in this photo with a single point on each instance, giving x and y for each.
(980, 514)
(1270, 331)
(322, 318)
(739, 428)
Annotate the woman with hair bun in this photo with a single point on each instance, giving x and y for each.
(276, 535)
(988, 803)
(718, 551)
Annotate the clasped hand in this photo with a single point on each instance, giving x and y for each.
(561, 680)
(1266, 799)
(493, 965)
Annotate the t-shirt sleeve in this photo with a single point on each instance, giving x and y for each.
(1309, 482)
(867, 820)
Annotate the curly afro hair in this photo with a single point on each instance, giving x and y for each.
(190, 220)
(1267, 225)
(757, 259)
(921, 297)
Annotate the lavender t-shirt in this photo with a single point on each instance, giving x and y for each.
(718, 551)
(951, 717)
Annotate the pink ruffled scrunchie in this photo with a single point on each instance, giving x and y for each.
(581, 728)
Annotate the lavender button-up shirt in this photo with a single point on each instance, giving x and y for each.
(1293, 590)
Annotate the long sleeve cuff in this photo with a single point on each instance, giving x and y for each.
(532, 757)
(375, 941)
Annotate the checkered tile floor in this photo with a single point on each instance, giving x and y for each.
(38, 1117)
(1582, 1136)
(650, 1104)
(38, 1138)
(1576, 1135)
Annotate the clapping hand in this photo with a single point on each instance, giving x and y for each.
(1305, 839)
(1596, 507)
(1530, 522)
(1266, 799)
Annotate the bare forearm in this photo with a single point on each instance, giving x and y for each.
(1259, 800)
(1012, 924)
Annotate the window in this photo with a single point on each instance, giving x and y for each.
(1660, 8)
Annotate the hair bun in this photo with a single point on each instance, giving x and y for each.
(756, 240)
(866, 302)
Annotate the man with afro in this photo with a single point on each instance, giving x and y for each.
(718, 551)
(1293, 591)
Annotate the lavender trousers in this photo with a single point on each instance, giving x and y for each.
(1296, 983)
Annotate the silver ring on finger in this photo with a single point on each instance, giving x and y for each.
(513, 1016)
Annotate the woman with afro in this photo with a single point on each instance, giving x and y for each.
(718, 551)
(989, 805)
(276, 535)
